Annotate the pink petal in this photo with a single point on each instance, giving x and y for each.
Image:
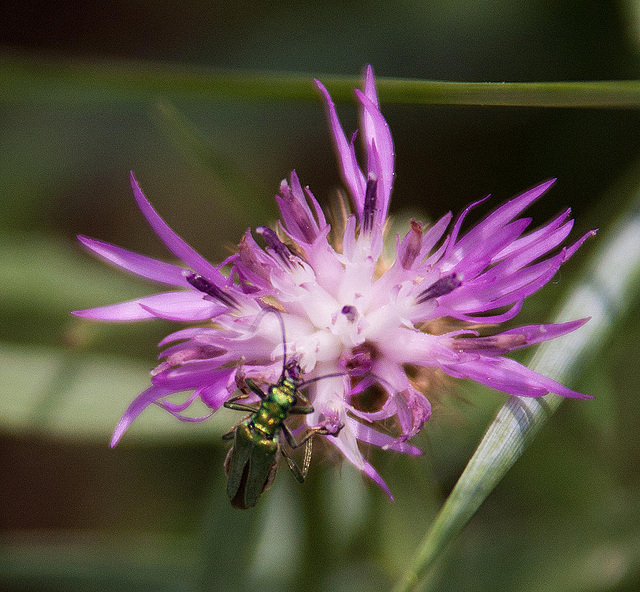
(178, 305)
(546, 235)
(351, 174)
(377, 136)
(506, 341)
(367, 434)
(135, 263)
(142, 401)
(511, 377)
(347, 445)
(175, 244)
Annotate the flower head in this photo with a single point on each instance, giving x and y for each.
(351, 319)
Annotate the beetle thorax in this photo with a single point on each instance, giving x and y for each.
(283, 394)
(273, 410)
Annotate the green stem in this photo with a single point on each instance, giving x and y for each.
(37, 78)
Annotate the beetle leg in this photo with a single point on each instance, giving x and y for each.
(295, 469)
(311, 432)
(307, 457)
(239, 407)
(231, 403)
(291, 439)
(297, 410)
(327, 431)
(240, 397)
(300, 475)
(230, 434)
(303, 407)
(255, 388)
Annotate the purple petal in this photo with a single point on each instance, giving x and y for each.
(511, 209)
(575, 246)
(175, 244)
(353, 455)
(370, 86)
(443, 311)
(322, 222)
(511, 377)
(413, 409)
(147, 267)
(176, 409)
(187, 418)
(377, 136)
(545, 332)
(458, 223)
(215, 394)
(495, 289)
(195, 308)
(549, 234)
(116, 313)
(534, 251)
(186, 334)
(522, 284)
(296, 214)
(512, 339)
(473, 253)
(142, 401)
(189, 376)
(434, 234)
(165, 305)
(351, 174)
(254, 265)
(367, 434)
(408, 249)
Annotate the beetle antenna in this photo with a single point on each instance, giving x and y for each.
(369, 376)
(317, 378)
(276, 312)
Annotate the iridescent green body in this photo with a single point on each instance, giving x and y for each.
(275, 407)
(252, 462)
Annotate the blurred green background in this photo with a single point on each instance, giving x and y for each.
(152, 514)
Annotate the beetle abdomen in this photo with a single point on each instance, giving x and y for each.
(251, 465)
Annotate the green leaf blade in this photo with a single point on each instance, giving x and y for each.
(601, 295)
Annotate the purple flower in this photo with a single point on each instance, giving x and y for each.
(347, 312)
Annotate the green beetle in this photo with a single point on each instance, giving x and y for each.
(252, 461)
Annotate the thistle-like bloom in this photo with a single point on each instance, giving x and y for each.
(348, 312)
